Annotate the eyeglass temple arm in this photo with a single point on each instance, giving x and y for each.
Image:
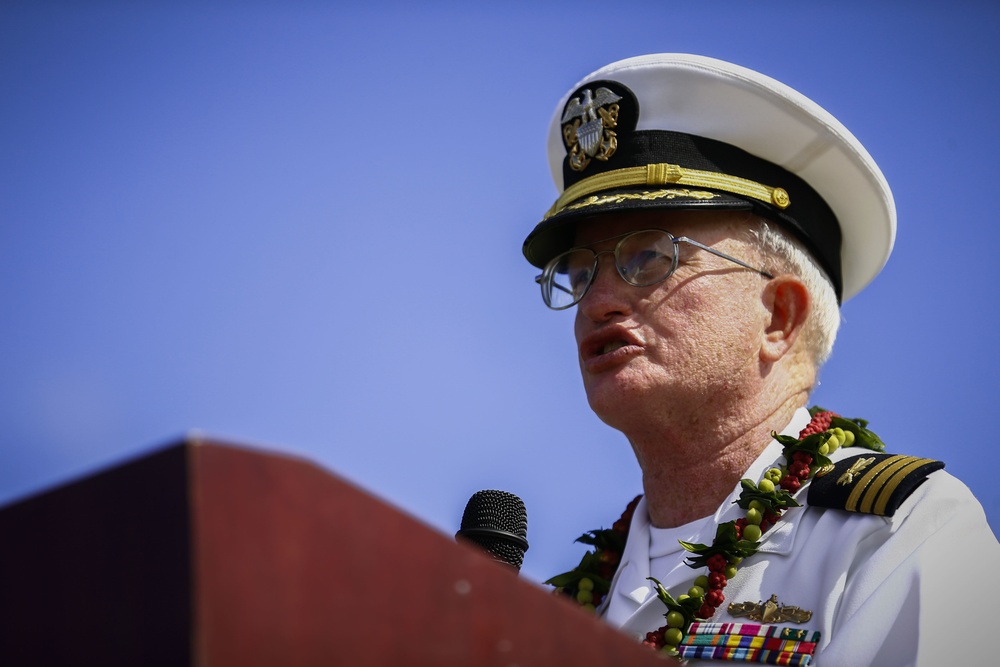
(722, 255)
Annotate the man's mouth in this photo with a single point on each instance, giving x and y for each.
(612, 346)
(608, 350)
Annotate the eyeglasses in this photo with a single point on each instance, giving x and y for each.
(643, 258)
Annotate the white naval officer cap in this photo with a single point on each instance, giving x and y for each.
(678, 131)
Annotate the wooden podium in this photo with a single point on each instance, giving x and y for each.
(219, 556)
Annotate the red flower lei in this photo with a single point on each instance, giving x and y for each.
(765, 501)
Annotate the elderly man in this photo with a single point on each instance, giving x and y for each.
(710, 222)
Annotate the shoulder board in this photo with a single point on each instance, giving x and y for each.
(872, 483)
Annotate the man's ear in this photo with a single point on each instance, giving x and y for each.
(787, 300)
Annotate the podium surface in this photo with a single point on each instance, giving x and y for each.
(216, 555)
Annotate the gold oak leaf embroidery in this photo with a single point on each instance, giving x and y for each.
(855, 468)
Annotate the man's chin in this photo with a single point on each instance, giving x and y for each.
(612, 401)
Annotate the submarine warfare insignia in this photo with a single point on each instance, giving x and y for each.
(770, 611)
(588, 126)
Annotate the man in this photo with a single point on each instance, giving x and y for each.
(710, 222)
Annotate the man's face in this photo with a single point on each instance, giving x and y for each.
(683, 344)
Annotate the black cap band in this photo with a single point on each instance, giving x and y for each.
(805, 214)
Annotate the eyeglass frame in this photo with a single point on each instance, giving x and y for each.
(675, 262)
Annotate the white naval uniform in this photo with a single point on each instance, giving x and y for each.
(919, 588)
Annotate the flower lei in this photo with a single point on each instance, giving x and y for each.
(590, 581)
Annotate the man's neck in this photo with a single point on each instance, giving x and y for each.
(689, 470)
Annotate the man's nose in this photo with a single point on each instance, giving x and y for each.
(608, 293)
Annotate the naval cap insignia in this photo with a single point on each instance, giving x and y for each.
(591, 123)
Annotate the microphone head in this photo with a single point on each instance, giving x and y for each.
(498, 522)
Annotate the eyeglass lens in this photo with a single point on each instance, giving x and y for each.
(641, 258)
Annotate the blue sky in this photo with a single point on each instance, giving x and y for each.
(298, 226)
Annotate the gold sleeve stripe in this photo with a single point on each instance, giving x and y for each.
(886, 493)
(859, 488)
(884, 475)
(874, 483)
(878, 484)
(670, 174)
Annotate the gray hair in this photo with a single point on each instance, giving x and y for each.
(781, 253)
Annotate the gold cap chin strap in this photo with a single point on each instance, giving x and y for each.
(669, 174)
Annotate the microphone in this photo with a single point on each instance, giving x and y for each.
(498, 523)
